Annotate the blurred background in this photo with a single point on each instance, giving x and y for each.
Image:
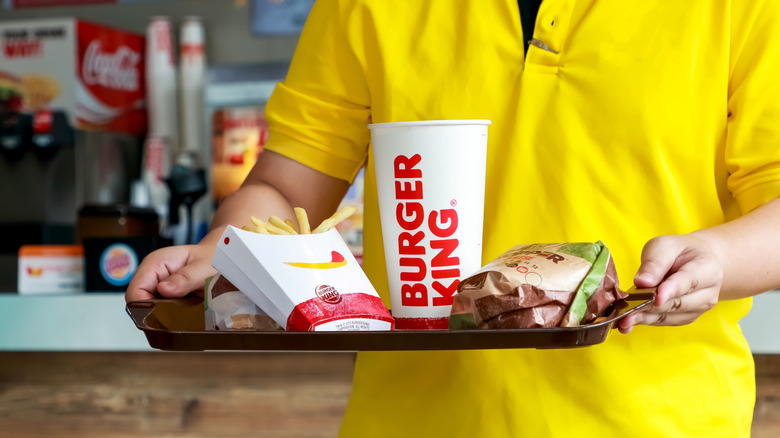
(122, 126)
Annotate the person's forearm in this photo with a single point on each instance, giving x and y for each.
(258, 199)
(274, 186)
(750, 250)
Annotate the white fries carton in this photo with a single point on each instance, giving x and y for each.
(305, 282)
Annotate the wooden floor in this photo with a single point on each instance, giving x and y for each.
(131, 395)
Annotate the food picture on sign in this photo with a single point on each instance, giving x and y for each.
(11, 92)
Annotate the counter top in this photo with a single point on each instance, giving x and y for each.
(82, 322)
(98, 322)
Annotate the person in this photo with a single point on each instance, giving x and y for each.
(652, 127)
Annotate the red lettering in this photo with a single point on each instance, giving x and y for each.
(414, 263)
(404, 190)
(413, 210)
(410, 217)
(444, 256)
(23, 49)
(414, 295)
(446, 293)
(404, 166)
(449, 217)
(408, 243)
(445, 273)
(121, 261)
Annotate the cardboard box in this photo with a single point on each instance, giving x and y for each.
(309, 282)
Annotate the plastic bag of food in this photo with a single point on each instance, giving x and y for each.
(227, 308)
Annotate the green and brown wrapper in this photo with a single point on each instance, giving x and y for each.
(539, 285)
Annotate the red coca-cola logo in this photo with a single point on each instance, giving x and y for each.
(328, 294)
(118, 70)
(111, 64)
(111, 68)
(440, 227)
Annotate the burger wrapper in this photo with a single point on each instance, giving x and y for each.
(227, 308)
(539, 285)
(305, 282)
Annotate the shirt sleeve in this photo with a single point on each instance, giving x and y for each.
(753, 136)
(319, 114)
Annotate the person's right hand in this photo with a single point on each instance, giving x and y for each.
(172, 272)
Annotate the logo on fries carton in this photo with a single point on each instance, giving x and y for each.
(305, 282)
(328, 294)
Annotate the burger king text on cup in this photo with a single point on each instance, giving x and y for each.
(441, 224)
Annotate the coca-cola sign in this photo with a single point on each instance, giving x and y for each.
(112, 81)
(118, 70)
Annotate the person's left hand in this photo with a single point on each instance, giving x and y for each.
(688, 271)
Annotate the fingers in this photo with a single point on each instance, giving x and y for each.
(173, 272)
(677, 285)
(658, 257)
(687, 275)
(185, 280)
(678, 266)
(678, 310)
(697, 273)
(149, 273)
(626, 325)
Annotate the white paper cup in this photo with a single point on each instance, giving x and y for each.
(431, 188)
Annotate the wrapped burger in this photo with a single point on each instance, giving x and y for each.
(539, 285)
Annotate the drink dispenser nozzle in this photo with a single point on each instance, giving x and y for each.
(15, 132)
(51, 131)
(187, 183)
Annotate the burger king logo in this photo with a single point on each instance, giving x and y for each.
(118, 264)
(328, 294)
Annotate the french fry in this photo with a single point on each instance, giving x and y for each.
(256, 229)
(278, 226)
(273, 229)
(257, 222)
(291, 224)
(275, 221)
(337, 217)
(303, 220)
(261, 227)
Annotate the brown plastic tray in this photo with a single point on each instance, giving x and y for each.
(177, 325)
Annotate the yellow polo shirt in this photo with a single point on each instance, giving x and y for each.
(652, 118)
